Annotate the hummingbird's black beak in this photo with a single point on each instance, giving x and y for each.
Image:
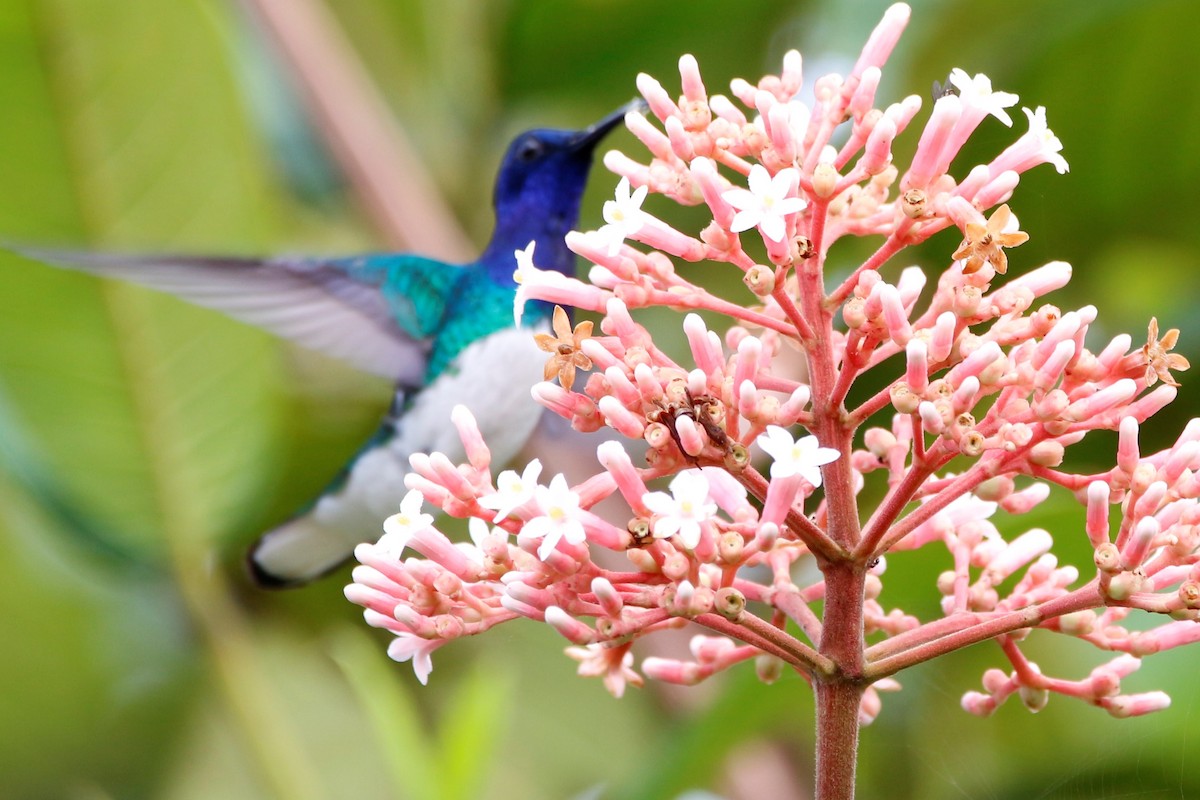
(589, 137)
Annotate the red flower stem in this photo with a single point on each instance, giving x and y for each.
(837, 738)
(918, 440)
(659, 297)
(886, 250)
(879, 537)
(766, 637)
(1082, 598)
(798, 611)
(802, 329)
(851, 364)
(1067, 480)
(815, 539)
(925, 633)
(839, 693)
(871, 406)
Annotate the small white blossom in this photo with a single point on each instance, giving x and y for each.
(399, 528)
(480, 532)
(410, 647)
(977, 93)
(967, 508)
(1051, 147)
(765, 203)
(524, 272)
(613, 664)
(803, 456)
(682, 511)
(624, 215)
(559, 507)
(513, 490)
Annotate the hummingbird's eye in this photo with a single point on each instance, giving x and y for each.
(530, 149)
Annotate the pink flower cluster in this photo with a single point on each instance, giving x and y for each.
(979, 376)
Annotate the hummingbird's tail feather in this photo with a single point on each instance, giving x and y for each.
(297, 552)
(350, 511)
(327, 305)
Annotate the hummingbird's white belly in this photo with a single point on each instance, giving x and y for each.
(492, 377)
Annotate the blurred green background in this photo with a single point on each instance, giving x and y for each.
(135, 661)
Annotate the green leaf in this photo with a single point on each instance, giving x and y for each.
(405, 744)
(472, 725)
(98, 674)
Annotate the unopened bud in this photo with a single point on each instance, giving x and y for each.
(994, 680)
(642, 561)
(972, 444)
(802, 248)
(738, 457)
(945, 583)
(1107, 558)
(730, 545)
(904, 399)
(760, 280)
(1048, 453)
(1079, 623)
(1125, 584)
(1035, 699)
(854, 313)
(912, 203)
(729, 603)
(768, 668)
(981, 705)
(824, 180)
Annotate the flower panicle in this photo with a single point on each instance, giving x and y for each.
(741, 454)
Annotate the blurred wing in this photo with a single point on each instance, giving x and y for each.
(336, 306)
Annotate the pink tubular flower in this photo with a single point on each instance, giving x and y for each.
(863, 386)
(551, 286)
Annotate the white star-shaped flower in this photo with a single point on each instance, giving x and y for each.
(967, 508)
(558, 519)
(624, 215)
(524, 273)
(803, 456)
(977, 92)
(1051, 147)
(399, 528)
(481, 534)
(410, 647)
(765, 203)
(682, 511)
(513, 490)
(613, 664)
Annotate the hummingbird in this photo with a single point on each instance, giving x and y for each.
(444, 333)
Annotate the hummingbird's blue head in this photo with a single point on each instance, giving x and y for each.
(539, 187)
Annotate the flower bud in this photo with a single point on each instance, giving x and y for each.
(760, 279)
(1035, 699)
(824, 180)
(729, 603)
(768, 668)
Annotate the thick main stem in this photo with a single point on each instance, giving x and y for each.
(838, 690)
(837, 739)
(838, 694)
